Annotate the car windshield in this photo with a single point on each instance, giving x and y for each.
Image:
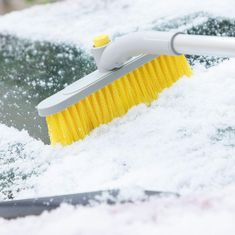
(182, 142)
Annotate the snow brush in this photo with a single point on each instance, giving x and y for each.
(133, 69)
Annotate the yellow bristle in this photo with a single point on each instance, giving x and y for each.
(139, 86)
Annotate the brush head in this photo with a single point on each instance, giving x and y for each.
(87, 85)
(100, 97)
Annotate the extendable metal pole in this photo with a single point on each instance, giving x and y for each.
(204, 45)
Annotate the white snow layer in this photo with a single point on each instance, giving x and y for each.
(78, 21)
(183, 142)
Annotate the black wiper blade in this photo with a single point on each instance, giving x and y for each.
(35, 206)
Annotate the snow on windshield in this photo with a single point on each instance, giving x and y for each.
(78, 21)
(184, 142)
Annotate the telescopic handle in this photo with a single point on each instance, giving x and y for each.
(204, 45)
(115, 53)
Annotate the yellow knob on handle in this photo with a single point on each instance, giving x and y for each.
(101, 40)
